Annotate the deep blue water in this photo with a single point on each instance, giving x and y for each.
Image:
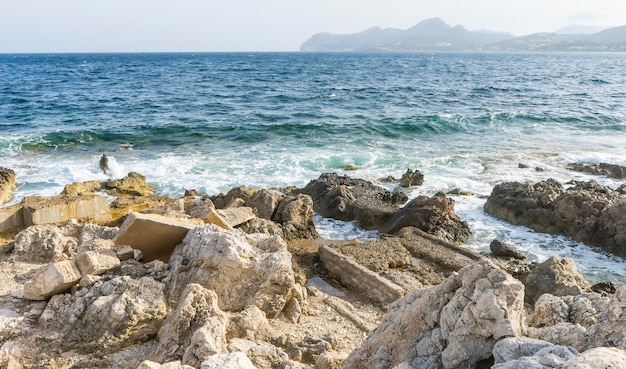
(217, 120)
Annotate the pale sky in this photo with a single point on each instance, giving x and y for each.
(265, 25)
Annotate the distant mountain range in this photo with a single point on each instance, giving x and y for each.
(435, 35)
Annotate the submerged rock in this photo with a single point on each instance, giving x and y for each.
(603, 169)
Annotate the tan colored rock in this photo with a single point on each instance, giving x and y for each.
(330, 360)
(147, 364)
(265, 202)
(97, 262)
(235, 360)
(133, 184)
(59, 209)
(156, 236)
(82, 188)
(359, 278)
(7, 184)
(56, 278)
(11, 217)
(557, 276)
(195, 330)
(127, 204)
(263, 355)
(124, 252)
(237, 215)
(598, 358)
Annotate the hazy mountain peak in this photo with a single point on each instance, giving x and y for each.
(575, 29)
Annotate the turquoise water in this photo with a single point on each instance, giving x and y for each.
(218, 120)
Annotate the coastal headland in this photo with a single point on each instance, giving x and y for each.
(108, 274)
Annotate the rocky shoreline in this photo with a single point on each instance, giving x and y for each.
(243, 279)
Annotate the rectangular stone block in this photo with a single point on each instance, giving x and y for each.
(358, 278)
(59, 209)
(56, 278)
(97, 262)
(11, 217)
(155, 235)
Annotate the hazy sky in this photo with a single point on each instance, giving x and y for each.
(265, 25)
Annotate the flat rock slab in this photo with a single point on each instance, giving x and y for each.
(59, 209)
(358, 278)
(97, 261)
(56, 278)
(155, 235)
(11, 217)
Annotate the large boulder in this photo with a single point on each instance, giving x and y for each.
(344, 198)
(7, 184)
(557, 276)
(587, 212)
(453, 325)
(195, 330)
(106, 318)
(530, 353)
(295, 215)
(134, 184)
(242, 269)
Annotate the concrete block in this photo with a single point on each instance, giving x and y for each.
(154, 235)
(97, 261)
(59, 209)
(358, 278)
(11, 217)
(56, 278)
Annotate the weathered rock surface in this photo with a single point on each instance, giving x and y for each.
(557, 276)
(412, 178)
(603, 169)
(156, 236)
(587, 212)
(97, 262)
(11, 217)
(235, 360)
(348, 199)
(107, 317)
(242, 269)
(134, 184)
(195, 330)
(295, 215)
(54, 279)
(453, 325)
(499, 248)
(7, 184)
(58, 209)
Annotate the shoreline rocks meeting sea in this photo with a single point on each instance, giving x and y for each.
(109, 274)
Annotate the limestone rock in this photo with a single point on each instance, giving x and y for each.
(453, 325)
(235, 216)
(556, 276)
(54, 279)
(262, 355)
(156, 236)
(598, 358)
(7, 184)
(250, 324)
(82, 188)
(11, 217)
(610, 328)
(235, 197)
(97, 262)
(242, 269)
(498, 248)
(295, 214)
(330, 360)
(195, 330)
(59, 209)
(235, 360)
(412, 178)
(514, 348)
(133, 184)
(265, 202)
(263, 226)
(105, 318)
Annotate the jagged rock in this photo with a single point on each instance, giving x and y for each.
(513, 348)
(263, 226)
(330, 360)
(582, 309)
(235, 216)
(148, 364)
(498, 248)
(195, 330)
(295, 214)
(265, 202)
(262, 355)
(56, 278)
(7, 184)
(242, 269)
(610, 328)
(234, 360)
(44, 244)
(156, 236)
(603, 169)
(434, 215)
(598, 358)
(124, 205)
(82, 188)
(309, 348)
(171, 209)
(588, 212)
(348, 199)
(250, 324)
(106, 318)
(453, 325)
(556, 276)
(235, 197)
(344, 198)
(97, 262)
(412, 178)
(134, 184)
(523, 352)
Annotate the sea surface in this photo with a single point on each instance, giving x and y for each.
(218, 120)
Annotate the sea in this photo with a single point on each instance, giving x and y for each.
(214, 121)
